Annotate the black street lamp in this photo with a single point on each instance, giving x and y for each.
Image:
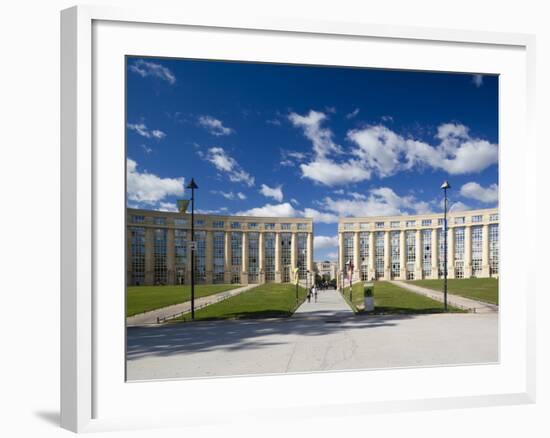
(192, 185)
(445, 186)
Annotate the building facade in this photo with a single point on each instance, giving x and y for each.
(413, 247)
(326, 268)
(228, 249)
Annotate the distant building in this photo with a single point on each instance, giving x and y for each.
(229, 249)
(326, 268)
(413, 247)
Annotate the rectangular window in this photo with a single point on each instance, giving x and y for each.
(302, 226)
(236, 256)
(410, 255)
(477, 250)
(395, 224)
(159, 263)
(286, 249)
(180, 222)
(301, 247)
(252, 225)
(493, 217)
(253, 257)
(493, 249)
(219, 256)
(269, 226)
(411, 224)
(363, 255)
(426, 253)
(349, 226)
(138, 219)
(199, 222)
(137, 235)
(180, 251)
(459, 252)
(477, 218)
(459, 220)
(236, 225)
(426, 222)
(285, 226)
(441, 221)
(348, 252)
(159, 220)
(379, 254)
(364, 225)
(218, 224)
(395, 250)
(269, 243)
(379, 225)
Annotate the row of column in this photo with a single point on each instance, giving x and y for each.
(209, 256)
(418, 263)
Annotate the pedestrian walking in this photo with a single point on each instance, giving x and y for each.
(314, 290)
(309, 292)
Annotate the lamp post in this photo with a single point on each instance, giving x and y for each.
(192, 185)
(445, 186)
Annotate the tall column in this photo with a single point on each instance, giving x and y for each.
(467, 252)
(403, 255)
(209, 257)
(387, 256)
(149, 256)
(341, 261)
(310, 253)
(244, 261)
(356, 257)
(371, 256)
(227, 258)
(485, 270)
(435, 254)
(170, 257)
(418, 255)
(278, 274)
(450, 253)
(261, 257)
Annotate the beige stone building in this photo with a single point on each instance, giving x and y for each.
(326, 268)
(412, 247)
(228, 249)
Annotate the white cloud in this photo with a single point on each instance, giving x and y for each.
(225, 163)
(214, 126)
(294, 201)
(290, 158)
(271, 210)
(473, 190)
(330, 173)
(331, 256)
(272, 192)
(319, 216)
(167, 206)
(147, 68)
(352, 114)
(149, 188)
(141, 129)
(229, 195)
(320, 137)
(477, 80)
(147, 149)
(459, 206)
(320, 242)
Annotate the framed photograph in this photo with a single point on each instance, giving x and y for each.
(266, 216)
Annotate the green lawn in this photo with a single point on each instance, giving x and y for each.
(141, 299)
(271, 300)
(482, 289)
(389, 298)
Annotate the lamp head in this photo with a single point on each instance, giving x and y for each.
(445, 185)
(192, 184)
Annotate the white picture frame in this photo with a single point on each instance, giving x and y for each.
(93, 397)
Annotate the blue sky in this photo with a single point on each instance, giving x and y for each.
(321, 142)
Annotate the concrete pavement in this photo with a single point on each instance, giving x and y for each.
(330, 304)
(453, 300)
(240, 347)
(177, 309)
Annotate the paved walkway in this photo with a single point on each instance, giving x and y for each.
(330, 305)
(167, 312)
(453, 300)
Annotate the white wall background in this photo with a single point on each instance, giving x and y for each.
(29, 214)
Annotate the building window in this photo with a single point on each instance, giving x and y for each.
(426, 253)
(459, 252)
(394, 248)
(286, 250)
(493, 217)
(349, 226)
(138, 255)
(395, 224)
(180, 250)
(441, 221)
(180, 222)
(253, 257)
(301, 245)
(219, 256)
(269, 256)
(410, 255)
(302, 226)
(379, 224)
(493, 249)
(200, 257)
(379, 254)
(159, 220)
(218, 224)
(199, 222)
(285, 226)
(138, 219)
(364, 225)
(442, 248)
(236, 256)
(364, 255)
(348, 252)
(236, 225)
(477, 218)
(459, 220)
(159, 264)
(253, 225)
(477, 250)
(269, 226)
(426, 222)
